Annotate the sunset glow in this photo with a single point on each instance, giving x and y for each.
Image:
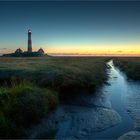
(72, 28)
(113, 49)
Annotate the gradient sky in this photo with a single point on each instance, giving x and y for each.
(69, 27)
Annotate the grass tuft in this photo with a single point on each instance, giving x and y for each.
(23, 105)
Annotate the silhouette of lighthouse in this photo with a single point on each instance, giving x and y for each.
(29, 41)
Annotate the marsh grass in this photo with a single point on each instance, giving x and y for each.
(63, 74)
(23, 105)
(32, 87)
(131, 66)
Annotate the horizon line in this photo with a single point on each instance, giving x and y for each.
(89, 55)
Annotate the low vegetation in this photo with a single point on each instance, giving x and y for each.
(23, 105)
(131, 66)
(63, 74)
(32, 87)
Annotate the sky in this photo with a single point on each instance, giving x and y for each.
(71, 27)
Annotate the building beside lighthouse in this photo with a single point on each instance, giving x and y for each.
(29, 53)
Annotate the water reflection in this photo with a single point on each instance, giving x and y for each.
(98, 116)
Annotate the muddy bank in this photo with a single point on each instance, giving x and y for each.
(132, 135)
(132, 102)
(77, 122)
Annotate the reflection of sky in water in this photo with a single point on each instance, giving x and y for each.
(116, 92)
(118, 88)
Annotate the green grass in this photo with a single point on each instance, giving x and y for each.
(23, 105)
(59, 73)
(130, 65)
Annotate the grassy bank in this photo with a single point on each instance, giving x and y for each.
(131, 66)
(23, 105)
(62, 74)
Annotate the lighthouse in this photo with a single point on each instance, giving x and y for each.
(29, 52)
(29, 41)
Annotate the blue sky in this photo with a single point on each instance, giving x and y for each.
(66, 25)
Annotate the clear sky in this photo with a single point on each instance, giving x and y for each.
(70, 27)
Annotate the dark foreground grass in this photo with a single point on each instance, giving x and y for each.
(23, 105)
(130, 65)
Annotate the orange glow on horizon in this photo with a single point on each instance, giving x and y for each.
(128, 49)
(87, 49)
